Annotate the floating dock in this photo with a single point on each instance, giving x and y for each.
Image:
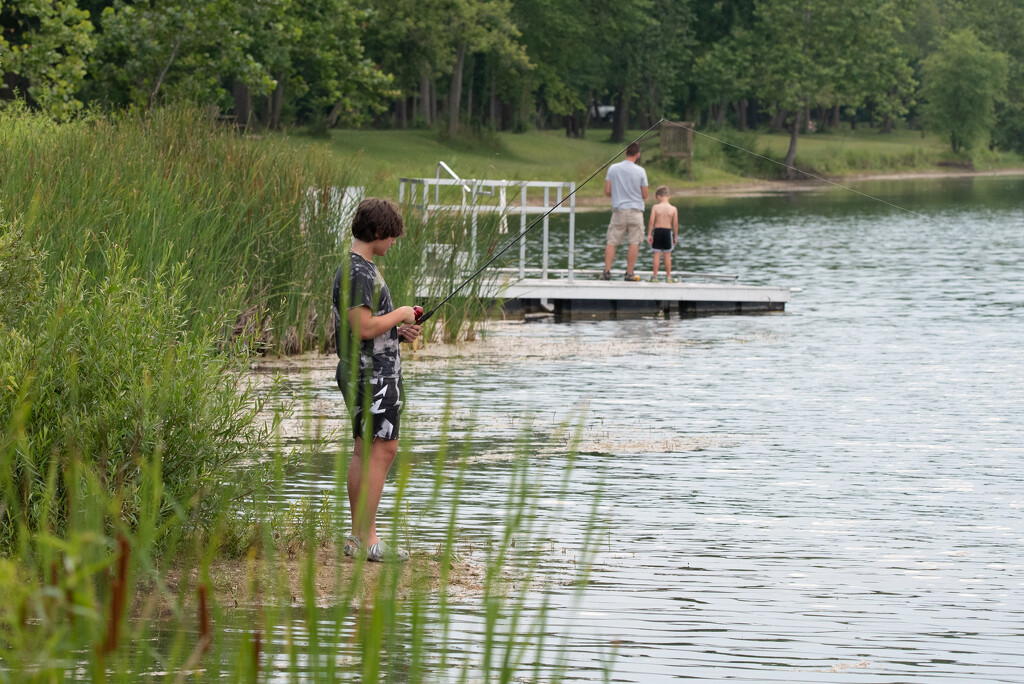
(586, 296)
(570, 292)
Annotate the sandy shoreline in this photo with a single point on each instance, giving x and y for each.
(770, 187)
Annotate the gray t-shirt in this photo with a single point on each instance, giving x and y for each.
(627, 178)
(379, 356)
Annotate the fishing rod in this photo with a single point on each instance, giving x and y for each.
(422, 317)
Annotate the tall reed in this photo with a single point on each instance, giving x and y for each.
(435, 257)
(100, 601)
(254, 220)
(128, 435)
(106, 372)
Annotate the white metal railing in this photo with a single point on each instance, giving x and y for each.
(417, 192)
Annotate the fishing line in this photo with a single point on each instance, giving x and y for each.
(793, 168)
(424, 316)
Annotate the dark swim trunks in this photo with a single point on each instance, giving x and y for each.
(662, 241)
(385, 408)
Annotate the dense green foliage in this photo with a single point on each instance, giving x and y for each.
(509, 64)
(104, 372)
(43, 51)
(173, 187)
(963, 82)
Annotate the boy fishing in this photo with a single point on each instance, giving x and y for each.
(379, 327)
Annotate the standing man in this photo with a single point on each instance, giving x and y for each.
(626, 184)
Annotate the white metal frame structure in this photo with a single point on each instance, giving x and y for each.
(424, 194)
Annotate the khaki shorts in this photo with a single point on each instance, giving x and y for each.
(628, 223)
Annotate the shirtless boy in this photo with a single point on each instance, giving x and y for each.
(663, 231)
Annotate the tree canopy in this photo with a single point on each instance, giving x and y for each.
(963, 81)
(797, 65)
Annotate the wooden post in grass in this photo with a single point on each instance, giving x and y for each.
(677, 143)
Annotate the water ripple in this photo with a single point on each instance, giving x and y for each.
(834, 492)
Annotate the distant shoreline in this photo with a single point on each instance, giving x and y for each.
(761, 188)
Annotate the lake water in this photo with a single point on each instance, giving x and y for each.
(832, 493)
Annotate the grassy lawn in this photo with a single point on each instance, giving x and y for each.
(382, 157)
(867, 150)
(379, 158)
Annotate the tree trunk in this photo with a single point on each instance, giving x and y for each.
(400, 112)
(433, 101)
(469, 90)
(720, 118)
(741, 114)
(243, 103)
(775, 125)
(835, 117)
(620, 122)
(508, 114)
(493, 105)
(455, 94)
(163, 72)
(335, 113)
(791, 172)
(274, 104)
(887, 124)
(425, 99)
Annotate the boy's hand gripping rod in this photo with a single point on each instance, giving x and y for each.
(423, 317)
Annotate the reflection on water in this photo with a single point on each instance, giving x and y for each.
(836, 489)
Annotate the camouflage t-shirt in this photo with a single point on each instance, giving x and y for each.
(379, 356)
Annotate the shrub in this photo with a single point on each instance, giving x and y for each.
(103, 374)
(21, 276)
(172, 186)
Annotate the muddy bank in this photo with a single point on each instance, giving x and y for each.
(255, 581)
